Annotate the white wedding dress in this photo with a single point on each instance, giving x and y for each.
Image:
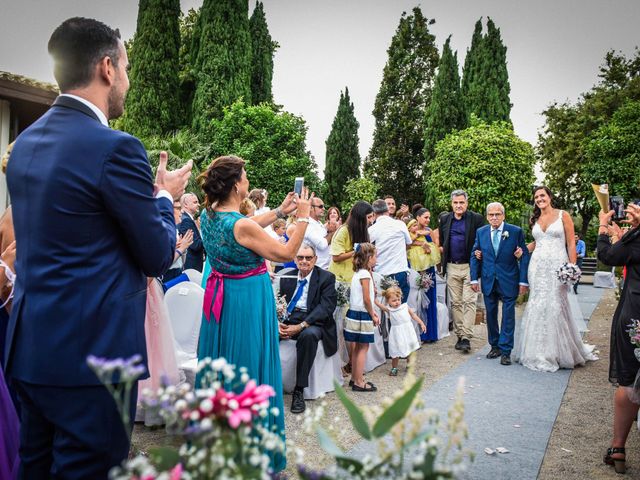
(547, 337)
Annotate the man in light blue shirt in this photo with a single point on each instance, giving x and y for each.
(581, 251)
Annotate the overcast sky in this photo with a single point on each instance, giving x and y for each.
(554, 48)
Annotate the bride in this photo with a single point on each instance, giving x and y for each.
(547, 338)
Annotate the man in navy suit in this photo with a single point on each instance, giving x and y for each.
(195, 253)
(91, 227)
(503, 277)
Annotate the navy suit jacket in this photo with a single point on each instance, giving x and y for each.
(503, 267)
(321, 303)
(195, 252)
(89, 232)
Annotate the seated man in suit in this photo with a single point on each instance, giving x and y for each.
(312, 299)
(195, 252)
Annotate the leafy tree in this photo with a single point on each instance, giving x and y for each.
(613, 153)
(186, 74)
(272, 142)
(569, 129)
(360, 188)
(262, 48)
(342, 157)
(396, 159)
(488, 161)
(446, 112)
(153, 102)
(222, 59)
(485, 82)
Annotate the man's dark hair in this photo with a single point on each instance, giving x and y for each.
(77, 46)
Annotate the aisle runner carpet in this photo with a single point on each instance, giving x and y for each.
(511, 407)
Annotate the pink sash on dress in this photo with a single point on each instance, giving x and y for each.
(214, 290)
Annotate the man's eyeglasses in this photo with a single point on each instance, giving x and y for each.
(308, 258)
(318, 206)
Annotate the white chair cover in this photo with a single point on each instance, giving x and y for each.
(194, 275)
(184, 303)
(604, 280)
(443, 321)
(321, 377)
(339, 315)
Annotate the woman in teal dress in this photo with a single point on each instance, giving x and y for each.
(239, 319)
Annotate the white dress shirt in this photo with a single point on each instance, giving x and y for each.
(315, 235)
(302, 302)
(391, 238)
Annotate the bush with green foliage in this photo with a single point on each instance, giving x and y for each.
(356, 189)
(489, 162)
(272, 142)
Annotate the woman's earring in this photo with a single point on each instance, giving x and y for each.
(237, 190)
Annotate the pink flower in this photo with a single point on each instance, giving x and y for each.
(252, 395)
(176, 472)
(238, 416)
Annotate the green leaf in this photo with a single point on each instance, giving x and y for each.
(396, 411)
(356, 415)
(327, 443)
(164, 458)
(346, 462)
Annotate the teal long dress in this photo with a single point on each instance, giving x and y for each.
(247, 334)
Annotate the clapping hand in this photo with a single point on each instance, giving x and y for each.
(185, 241)
(174, 181)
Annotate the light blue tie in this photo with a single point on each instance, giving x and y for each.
(298, 294)
(495, 240)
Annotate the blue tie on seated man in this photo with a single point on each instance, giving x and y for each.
(311, 296)
(494, 259)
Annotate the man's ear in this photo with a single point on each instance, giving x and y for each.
(106, 71)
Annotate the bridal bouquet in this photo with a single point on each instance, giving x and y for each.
(569, 273)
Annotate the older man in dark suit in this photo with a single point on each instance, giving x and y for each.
(90, 227)
(195, 253)
(311, 295)
(457, 231)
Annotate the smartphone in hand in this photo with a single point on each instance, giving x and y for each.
(298, 184)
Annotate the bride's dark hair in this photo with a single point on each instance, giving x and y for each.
(536, 210)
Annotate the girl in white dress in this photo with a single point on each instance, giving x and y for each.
(402, 335)
(547, 337)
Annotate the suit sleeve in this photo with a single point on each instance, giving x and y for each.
(475, 265)
(524, 260)
(328, 300)
(147, 223)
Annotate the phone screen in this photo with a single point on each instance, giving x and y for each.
(297, 186)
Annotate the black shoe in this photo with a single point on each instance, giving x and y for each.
(459, 344)
(297, 403)
(505, 360)
(494, 353)
(465, 345)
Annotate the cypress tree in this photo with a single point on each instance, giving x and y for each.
(472, 69)
(223, 59)
(446, 111)
(496, 105)
(485, 82)
(153, 101)
(396, 159)
(342, 156)
(262, 48)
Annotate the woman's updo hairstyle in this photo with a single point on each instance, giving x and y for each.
(218, 180)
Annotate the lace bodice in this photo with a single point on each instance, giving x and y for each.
(224, 253)
(552, 242)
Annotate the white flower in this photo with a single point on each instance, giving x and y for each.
(206, 405)
(505, 235)
(180, 405)
(206, 424)
(218, 364)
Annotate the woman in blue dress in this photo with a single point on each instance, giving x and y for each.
(239, 318)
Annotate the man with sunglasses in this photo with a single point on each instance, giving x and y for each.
(319, 236)
(311, 297)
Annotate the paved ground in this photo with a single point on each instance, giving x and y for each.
(576, 440)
